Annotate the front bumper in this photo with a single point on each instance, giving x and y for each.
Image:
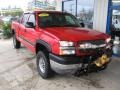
(63, 69)
(70, 64)
(65, 64)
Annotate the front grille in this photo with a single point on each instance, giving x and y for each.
(91, 50)
(94, 42)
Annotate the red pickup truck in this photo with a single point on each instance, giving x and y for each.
(61, 45)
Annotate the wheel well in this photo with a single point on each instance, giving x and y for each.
(40, 47)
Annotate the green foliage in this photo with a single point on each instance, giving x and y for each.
(17, 12)
(1, 23)
(6, 30)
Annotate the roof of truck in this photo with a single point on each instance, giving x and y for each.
(38, 11)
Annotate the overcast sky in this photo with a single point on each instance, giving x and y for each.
(17, 3)
(13, 3)
(23, 3)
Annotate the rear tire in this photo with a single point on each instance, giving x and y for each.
(16, 43)
(43, 66)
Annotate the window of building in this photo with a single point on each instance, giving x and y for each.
(69, 6)
(84, 11)
(116, 2)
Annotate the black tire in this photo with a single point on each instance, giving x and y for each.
(47, 70)
(16, 43)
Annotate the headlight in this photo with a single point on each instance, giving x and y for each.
(108, 40)
(66, 43)
(66, 48)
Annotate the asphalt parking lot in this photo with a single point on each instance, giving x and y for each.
(18, 72)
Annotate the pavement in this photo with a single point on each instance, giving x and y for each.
(18, 72)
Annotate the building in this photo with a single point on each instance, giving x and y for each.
(11, 11)
(41, 4)
(99, 11)
(100, 15)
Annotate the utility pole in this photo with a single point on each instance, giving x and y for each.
(76, 8)
(35, 3)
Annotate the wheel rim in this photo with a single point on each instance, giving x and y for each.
(42, 65)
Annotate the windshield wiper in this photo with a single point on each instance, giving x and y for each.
(51, 26)
(72, 25)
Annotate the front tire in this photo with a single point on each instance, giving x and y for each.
(43, 65)
(103, 67)
(16, 43)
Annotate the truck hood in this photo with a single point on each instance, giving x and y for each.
(75, 33)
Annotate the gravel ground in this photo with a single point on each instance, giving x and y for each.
(18, 72)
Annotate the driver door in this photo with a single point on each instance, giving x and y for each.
(22, 26)
(31, 34)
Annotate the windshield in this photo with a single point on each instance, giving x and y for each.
(57, 20)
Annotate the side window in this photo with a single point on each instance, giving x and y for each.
(69, 20)
(21, 19)
(32, 19)
(25, 19)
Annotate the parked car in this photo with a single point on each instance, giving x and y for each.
(6, 19)
(116, 23)
(115, 28)
(9, 19)
(60, 44)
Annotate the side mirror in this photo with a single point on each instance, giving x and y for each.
(82, 24)
(29, 25)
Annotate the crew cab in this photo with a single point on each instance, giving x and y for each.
(61, 45)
